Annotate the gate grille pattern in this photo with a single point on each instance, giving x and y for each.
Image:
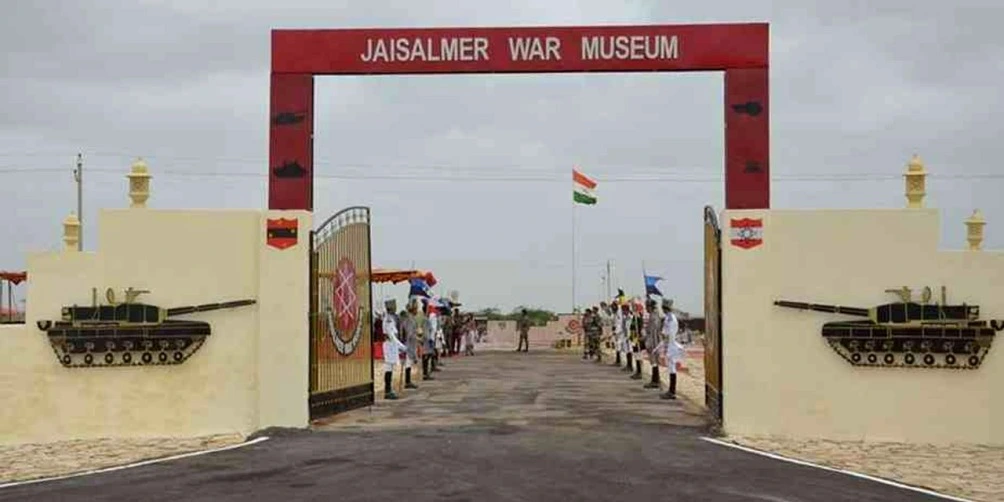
(341, 363)
(713, 395)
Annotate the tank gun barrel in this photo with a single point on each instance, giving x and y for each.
(206, 307)
(820, 307)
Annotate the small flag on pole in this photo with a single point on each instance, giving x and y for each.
(583, 188)
(650, 287)
(419, 288)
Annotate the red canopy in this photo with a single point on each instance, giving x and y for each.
(396, 276)
(13, 277)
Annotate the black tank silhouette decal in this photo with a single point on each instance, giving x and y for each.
(908, 333)
(290, 170)
(288, 118)
(128, 333)
(751, 108)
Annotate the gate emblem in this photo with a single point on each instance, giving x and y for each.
(573, 326)
(281, 233)
(746, 233)
(345, 313)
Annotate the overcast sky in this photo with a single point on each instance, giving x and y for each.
(855, 90)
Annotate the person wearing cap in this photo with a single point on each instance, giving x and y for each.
(429, 354)
(587, 332)
(674, 351)
(392, 346)
(523, 326)
(409, 330)
(596, 334)
(637, 341)
(619, 338)
(626, 337)
(653, 337)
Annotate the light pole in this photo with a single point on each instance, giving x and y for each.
(78, 176)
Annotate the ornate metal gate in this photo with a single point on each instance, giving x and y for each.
(341, 363)
(713, 395)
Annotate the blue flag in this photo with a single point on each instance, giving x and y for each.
(650, 288)
(419, 288)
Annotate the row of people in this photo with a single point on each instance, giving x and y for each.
(405, 331)
(654, 333)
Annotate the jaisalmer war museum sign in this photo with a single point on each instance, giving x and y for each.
(738, 50)
(545, 48)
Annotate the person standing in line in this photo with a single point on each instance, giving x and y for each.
(392, 346)
(618, 332)
(597, 349)
(429, 342)
(469, 335)
(586, 322)
(637, 342)
(653, 335)
(523, 327)
(409, 329)
(458, 333)
(626, 337)
(674, 350)
(437, 362)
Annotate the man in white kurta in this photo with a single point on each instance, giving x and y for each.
(626, 318)
(674, 350)
(429, 354)
(392, 347)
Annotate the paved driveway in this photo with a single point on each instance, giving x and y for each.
(497, 426)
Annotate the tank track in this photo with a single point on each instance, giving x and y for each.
(124, 351)
(912, 352)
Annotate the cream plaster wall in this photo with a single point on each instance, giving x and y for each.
(780, 376)
(250, 373)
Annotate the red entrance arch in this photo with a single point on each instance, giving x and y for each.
(740, 50)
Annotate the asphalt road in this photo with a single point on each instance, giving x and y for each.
(496, 426)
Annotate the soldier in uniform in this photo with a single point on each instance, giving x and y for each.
(625, 326)
(409, 330)
(674, 351)
(653, 337)
(586, 332)
(523, 327)
(607, 320)
(637, 342)
(618, 333)
(429, 355)
(595, 328)
(392, 346)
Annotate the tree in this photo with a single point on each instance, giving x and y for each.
(538, 316)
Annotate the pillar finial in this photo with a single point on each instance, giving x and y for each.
(974, 230)
(915, 177)
(71, 232)
(139, 183)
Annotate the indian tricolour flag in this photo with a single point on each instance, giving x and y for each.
(584, 188)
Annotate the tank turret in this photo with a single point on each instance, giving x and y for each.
(907, 334)
(128, 333)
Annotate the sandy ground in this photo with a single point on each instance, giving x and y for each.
(972, 472)
(30, 461)
(968, 471)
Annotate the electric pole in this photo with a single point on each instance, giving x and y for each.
(608, 279)
(78, 176)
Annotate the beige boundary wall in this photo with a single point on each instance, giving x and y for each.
(251, 372)
(502, 334)
(780, 376)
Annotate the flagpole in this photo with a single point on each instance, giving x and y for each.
(644, 273)
(573, 253)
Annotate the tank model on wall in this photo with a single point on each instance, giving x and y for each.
(128, 333)
(908, 333)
